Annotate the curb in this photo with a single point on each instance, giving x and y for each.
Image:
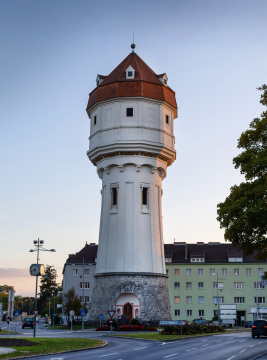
(62, 352)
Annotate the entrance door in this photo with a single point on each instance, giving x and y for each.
(128, 310)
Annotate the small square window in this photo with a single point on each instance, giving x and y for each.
(130, 74)
(200, 312)
(212, 271)
(201, 299)
(188, 272)
(86, 272)
(177, 299)
(200, 285)
(188, 312)
(176, 271)
(167, 119)
(260, 271)
(189, 286)
(176, 285)
(200, 272)
(176, 312)
(129, 112)
(248, 271)
(236, 271)
(75, 272)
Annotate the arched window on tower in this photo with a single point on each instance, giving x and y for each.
(114, 197)
(144, 197)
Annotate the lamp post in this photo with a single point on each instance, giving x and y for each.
(38, 244)
(218, 294)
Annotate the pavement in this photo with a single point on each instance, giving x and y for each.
(6, 350)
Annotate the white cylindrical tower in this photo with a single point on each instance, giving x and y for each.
(131, 143)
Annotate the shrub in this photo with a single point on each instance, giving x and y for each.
(131, 328)
(103, 328)
(135, 321)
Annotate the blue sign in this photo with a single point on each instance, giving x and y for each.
(83, 312)
(16, 313)
(101, 316)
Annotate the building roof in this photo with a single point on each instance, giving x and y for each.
(145, 84)
(180, 253)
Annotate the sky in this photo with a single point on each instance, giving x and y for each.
(215, 56)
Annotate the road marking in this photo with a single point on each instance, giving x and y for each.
(260, 342)
(192, 349)
(169, 355)
(206, 345)
(231, 357)
(108, 354)
(141, 348)
(242, 351)
(241, 340)
(252, 345)
(219, 341)
(204, 340)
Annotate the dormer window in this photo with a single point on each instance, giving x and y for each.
(130, 72)
(99, 79)
(163, 78)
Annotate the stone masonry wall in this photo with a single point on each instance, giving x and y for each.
(151, 289)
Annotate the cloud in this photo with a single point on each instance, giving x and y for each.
(13, 273)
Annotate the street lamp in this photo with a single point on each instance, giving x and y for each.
(38, 244)
(218, 294)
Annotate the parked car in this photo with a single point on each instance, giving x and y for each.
(248, 324)
(200, 321)
(28, 322)
(259, 327)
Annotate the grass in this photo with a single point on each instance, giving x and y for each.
(51, 345)
(155, 336)
(5, 332)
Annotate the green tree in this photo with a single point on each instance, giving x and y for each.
(71, 301)
(243, 214)
(47, 286)
(5, 288)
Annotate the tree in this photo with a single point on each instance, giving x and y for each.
(5, 288)
(243, 214)
(48, 283)
(71, 301)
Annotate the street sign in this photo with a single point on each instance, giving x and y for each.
(111, 313)
(16, 313)
(72, 313)
(110, 322)
(8, 319)
(101, 311)
(83, 312)
(263, 281)
(35, 312)
(101, 316)
(171, 322)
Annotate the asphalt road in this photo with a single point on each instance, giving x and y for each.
(239, 346)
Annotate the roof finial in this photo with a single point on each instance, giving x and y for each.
(133, 44)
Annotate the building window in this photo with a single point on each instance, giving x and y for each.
(189, 299)
(176, 285)
(177, 299)
(84, 299)
(200, 272)
(215, 312)
(167, 119)
(114, 189)
(200, 285)
(197, 259)
(200, 312)
(188, 272)
(86, 285)
(189, 286)
(235, 259)
(145, 196)
(86, 272)
(167, 271)
(201, 299)
(129, 112)
(176, 271)
(261, 300)
(224, 271)
(239, 285)
(188, 312)
(236, 271)
(130, 72)
(75, 272)
(239, 300)
(218, 285)
(95, 120)
(212, 271)
(176, 312)
(248, 271)
(218, 300)
(258, 285)
(260, 271)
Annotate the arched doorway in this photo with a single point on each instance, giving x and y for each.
(128, 310)
(128, 304)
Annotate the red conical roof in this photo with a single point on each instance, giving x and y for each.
(145, 84)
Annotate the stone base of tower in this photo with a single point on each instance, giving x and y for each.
(142, 295)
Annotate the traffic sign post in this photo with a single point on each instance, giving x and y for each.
(111, 314)
(71, 315)
(16, 313)
(8, 322)
(100, 317)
